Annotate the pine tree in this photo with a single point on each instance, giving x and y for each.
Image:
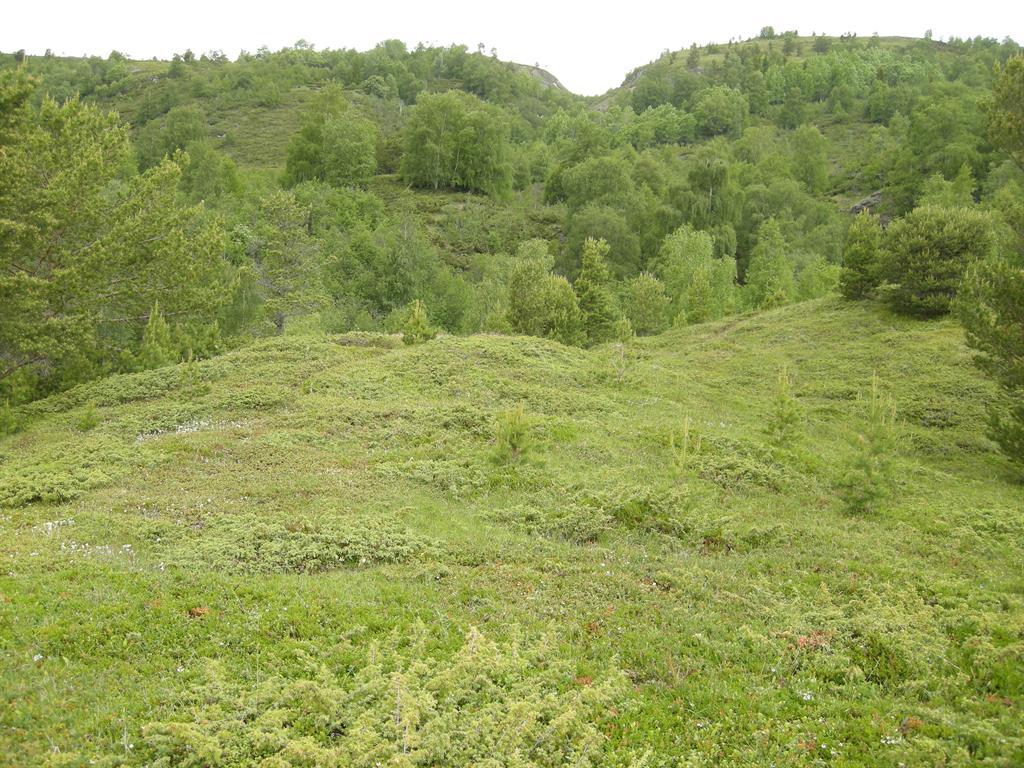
(697, 302)
(10, 421)
(157, 348)
(861, 257)
(594, 291)
(526, 280)
(991, 308)
(84, 256)
(1005, 110)
(646, 304)
(928, 252)
(512, 436)
(417, 328)
(869, 477)
(540, 303)
(286, 258)
(770, 272)
(562, 318)
(786, 417)
(991, 305)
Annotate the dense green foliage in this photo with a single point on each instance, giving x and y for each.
(862, 257)
(700, 286)
(992, 304)
(88, 246)
(928, 252)
(770, 273)
(593, 286)
(455, 140)
(333, 145)
(992, 311)
(716, 141)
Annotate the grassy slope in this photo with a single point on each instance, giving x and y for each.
(756, 620)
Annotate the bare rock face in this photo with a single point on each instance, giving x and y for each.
(868, 203)
(546, 78)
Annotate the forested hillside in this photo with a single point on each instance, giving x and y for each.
(402, 408)
(332, 189)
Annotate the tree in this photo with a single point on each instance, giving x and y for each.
(645, 304)
(693, 57)
(526, 297)
(783, 423)
(417, 328)
(810, 158)
(716, 197)
(157, 347)
(601, 222)
(603, 180)
(284, 257)
(512, 438)
(928, 251)
(869, 475)
(862, 257)
(794, 109)
(769, 279)
(349, 150)
(540, 303)
(721, 110)
(593, 289)
(958, 193)
(563, 320)
(699, 285)
(991, 309)
(335, 145)
(1005, 110)
(455, 140)
(87, 247)
(991, 305)
(15, 90)
(816, 277)
(387, 267)
(206, 174)
(180, 127)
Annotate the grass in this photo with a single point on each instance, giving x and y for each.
(254, 561)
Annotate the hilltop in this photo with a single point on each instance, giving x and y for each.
(311, 548)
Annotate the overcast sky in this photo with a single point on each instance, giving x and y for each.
(588, 47)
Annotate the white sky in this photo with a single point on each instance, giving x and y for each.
(589, 48)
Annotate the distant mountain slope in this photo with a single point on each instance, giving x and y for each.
(542, 75)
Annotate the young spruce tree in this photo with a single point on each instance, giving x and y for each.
(861, 257)
(417, 328)
(769, 276)
(869, 477)
(784, 422)
(157, 348)
(594, 291)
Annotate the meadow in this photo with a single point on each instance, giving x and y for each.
(340, 550)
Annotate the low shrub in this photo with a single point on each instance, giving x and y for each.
(491, 704)
(247, 544)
